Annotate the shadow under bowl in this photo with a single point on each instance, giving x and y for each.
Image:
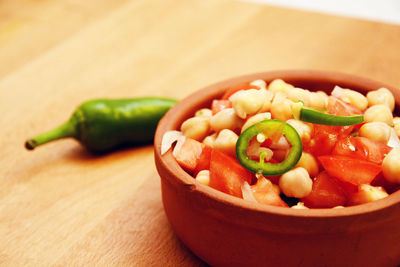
(227, 231)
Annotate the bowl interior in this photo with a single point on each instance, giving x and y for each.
(311, 80)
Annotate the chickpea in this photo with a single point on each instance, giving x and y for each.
(196, 128)
(318, 100)
(298, 94)
(279, 85)
(248, 102)
(367, 193)
(281, 107)
(204, 112)
(391, 166)
(296, 183)
(379, 113)
(203, 177)
(259, 83)
(308, 162)
(354, 98)
(299, 206)
(382, 96)
(226, 142)
(303, 129)
(267, 103)
(225, 119)
(209, 140)
(376, 131)
(256, 119)
(396, 123)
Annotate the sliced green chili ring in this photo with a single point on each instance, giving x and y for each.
(266, 168)
(322, 117)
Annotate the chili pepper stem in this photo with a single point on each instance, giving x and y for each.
(67, 129)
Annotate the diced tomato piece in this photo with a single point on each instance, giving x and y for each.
(188, 154)
(344, 130)
(351, 170)
(361, 148)
(323, 140)
(346, 147)
(234, 89)
(218, 105)
(265, 193)
(279, 155)
(227, 175)
(267, 143)
(274, 161)
(325, 193)
(349, 188)
(373, 151)
(324, 137)
(204, 160)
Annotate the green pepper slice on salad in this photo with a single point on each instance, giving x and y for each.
(307, 114)
(268, 128)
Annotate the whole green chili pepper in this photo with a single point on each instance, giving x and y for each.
(268, 127)
(312, 115)
(104, 124)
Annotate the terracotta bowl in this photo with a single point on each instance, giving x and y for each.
(227, 231)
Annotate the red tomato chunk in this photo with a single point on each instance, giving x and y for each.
(326, 193)
(323, 140)
(227, 175)
(218, 105)
(188, 155)
(361, 148)
(351, 170)
(204, 160)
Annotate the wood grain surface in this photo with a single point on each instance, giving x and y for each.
(62, 206)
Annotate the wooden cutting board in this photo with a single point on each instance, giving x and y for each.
(60, 205)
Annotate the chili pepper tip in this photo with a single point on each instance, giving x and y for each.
(30, 144)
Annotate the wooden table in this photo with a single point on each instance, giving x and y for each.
(60, 205)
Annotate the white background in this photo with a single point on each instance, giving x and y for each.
(387, 11)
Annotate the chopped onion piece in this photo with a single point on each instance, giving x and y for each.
(254, 150)
(337, 91)
(178, 145)
(168, 139)
(394, 139)
(247, 193)
(281, 144)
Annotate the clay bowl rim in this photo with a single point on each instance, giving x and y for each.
(187, 106)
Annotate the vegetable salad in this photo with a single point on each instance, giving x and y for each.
(280, 145)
